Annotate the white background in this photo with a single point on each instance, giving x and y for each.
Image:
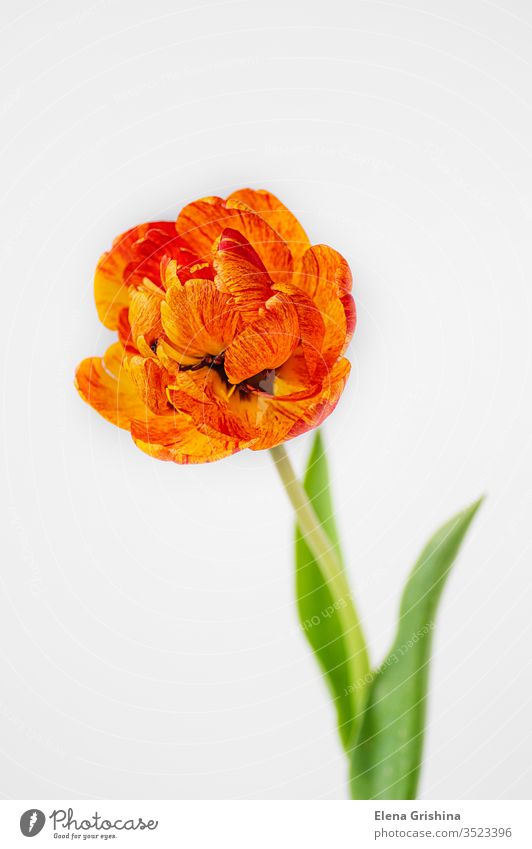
(149, 646)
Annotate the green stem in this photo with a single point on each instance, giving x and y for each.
(332, 571)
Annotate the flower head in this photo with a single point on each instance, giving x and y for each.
(231, 330)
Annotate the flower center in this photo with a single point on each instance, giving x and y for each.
(261, 383)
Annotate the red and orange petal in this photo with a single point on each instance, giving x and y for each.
(311, 331)
(134, 254)
(278, 217)
(198, 319)
(284, 419)
(348, 303)
(182, 442)
(214, 408)
(200, 225)
(106, 384)
(325, 278)
(266, 343)
(241, 273)
(145, 314)
(150, 380)
(183, 265)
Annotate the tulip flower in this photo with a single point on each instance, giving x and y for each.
(231, 330)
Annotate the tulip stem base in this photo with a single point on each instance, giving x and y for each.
(332, 571)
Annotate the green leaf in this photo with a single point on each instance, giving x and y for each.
(318, 610)
(386, 758)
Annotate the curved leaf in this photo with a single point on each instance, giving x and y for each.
(318, 611)
(386, 759)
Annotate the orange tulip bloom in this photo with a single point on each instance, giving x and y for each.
(231, 330)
